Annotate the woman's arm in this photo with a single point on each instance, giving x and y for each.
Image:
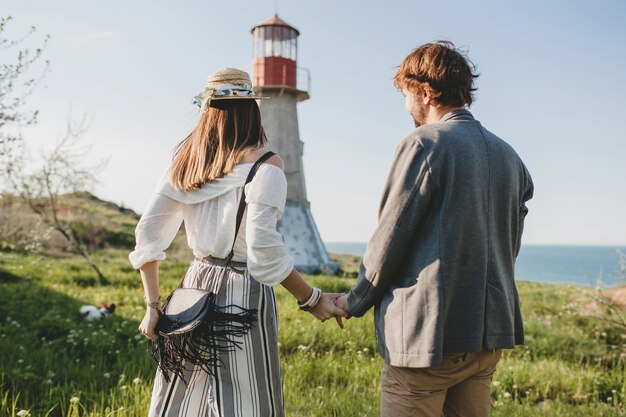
(150, 278)
(324, 309)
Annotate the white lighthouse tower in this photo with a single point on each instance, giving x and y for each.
(276, 75)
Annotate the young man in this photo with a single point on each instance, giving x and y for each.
(439, 268)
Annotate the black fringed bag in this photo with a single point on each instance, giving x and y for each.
(192, 328)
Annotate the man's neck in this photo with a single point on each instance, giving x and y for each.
(436, 113)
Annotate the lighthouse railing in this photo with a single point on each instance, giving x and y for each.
(303, 79)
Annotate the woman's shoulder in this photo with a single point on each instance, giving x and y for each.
(253, 156)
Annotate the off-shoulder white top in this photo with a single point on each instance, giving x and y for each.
(209, 215)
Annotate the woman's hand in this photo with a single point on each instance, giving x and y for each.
(325, 309)
(149, 322)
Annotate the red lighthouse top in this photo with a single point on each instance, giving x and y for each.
(275, 54)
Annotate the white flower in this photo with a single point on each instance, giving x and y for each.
(123, 387)
(507, 395)
(496, 383)
(74, 400)
(23, 413)
(107, 375)
(137, 381)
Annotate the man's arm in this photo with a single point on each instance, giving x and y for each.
(527, 195)
(405, 201)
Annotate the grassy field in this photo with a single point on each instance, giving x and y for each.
(52, 363)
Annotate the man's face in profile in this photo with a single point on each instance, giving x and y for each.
(413, 104)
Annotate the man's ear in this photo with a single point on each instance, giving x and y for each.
(427, 95)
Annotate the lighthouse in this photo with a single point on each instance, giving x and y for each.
(276, 75)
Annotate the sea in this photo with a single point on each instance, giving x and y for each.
(596, 266)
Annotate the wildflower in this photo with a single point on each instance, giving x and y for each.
(137, 381)
(23, 413)
(75, 400)
(507, 395)
(107, 375)
(496, 383)
(123, 387)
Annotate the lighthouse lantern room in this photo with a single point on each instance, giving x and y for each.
(275, 54)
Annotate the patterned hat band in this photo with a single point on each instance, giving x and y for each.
(223, 91)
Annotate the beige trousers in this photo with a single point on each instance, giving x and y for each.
(458, 387)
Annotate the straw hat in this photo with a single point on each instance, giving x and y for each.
(226, 84)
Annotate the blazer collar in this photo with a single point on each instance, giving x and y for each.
(458, 114)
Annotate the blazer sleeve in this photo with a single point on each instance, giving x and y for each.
(405, 200)
(527, 194)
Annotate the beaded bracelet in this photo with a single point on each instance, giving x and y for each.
(315, 297)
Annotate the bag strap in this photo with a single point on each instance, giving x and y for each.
(242, 201)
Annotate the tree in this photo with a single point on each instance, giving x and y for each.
(40, 185)
(16, 84)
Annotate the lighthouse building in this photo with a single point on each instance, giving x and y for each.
(276, 75)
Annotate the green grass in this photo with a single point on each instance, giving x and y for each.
(572, 364)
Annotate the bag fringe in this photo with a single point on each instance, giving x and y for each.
(215, 334)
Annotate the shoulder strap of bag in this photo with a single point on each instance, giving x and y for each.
(242, 201)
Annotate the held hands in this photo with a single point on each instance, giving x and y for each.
(326, 308)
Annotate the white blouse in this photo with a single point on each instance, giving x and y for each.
(209, 215)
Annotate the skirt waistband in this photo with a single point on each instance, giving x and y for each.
(212, 260)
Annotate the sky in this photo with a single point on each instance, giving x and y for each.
(551, 84)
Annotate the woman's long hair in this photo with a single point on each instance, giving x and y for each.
(225, 131)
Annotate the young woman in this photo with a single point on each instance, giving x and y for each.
(203, 187)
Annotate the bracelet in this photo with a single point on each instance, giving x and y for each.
(315, 297)
(153, 304)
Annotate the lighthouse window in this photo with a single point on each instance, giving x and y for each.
(268, 41)
(293, 48)
(286, 45)
(277, 42)
(258, 41)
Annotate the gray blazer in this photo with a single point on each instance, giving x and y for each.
(439, 268)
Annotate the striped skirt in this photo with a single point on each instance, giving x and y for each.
(248, 382)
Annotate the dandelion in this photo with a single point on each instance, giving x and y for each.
(507, 395)
(496, 383)
(75, 400)
(23, 413)
(609, 398)
(123, 387)
(137, 381)
(107, 375)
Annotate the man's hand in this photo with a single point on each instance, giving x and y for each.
(342, 302)
(326, 309)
